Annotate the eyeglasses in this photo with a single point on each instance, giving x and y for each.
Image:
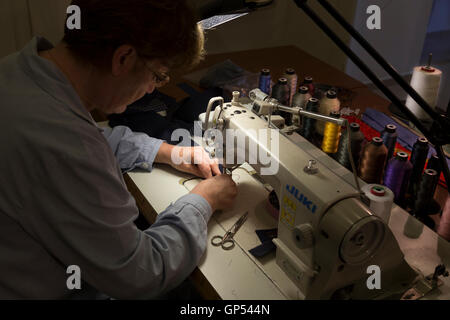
(158, 77)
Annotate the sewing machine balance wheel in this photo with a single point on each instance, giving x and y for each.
(363, 240)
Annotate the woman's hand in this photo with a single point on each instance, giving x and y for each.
(220, 191)
(193, 160)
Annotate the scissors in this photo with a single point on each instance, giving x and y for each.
(227, 240)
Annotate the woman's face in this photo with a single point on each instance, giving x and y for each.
(128, 84)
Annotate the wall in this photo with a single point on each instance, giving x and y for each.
(48, 18)
(15, 27)
(282, 24)
(20, 20)
(440, 17)
(400, 40)
(438, 43)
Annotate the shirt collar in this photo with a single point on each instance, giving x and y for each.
(49, 78)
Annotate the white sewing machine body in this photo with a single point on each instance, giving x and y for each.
(327, 238)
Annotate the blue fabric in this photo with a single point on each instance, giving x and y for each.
(266, 246)
(142, 116)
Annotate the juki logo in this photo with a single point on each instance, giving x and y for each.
(301, 198)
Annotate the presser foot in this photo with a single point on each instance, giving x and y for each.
(427, 284)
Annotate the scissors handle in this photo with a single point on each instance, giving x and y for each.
(228, 244)
(217, 241)
(226, 241)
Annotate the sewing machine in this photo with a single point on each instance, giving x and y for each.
(328, 240)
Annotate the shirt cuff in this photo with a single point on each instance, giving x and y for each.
(150, 150)
(199, 203)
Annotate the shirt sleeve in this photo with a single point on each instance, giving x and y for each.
(85, 216)
(132, 149)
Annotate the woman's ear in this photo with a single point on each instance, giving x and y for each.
(123, 60)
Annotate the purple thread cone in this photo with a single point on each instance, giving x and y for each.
(389, 136)
(397, 175)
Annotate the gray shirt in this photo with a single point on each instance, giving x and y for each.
(63, 200)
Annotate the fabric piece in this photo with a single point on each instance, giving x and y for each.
(266, 246)
(220, 74)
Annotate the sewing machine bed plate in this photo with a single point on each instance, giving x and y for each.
(236, 274)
